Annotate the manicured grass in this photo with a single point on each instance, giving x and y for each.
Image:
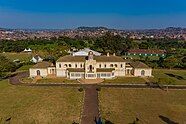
(121, 80)
(172, 76)
(122, 106)
(20, 56)
(41, 105)
(56, 80)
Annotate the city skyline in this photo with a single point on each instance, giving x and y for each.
(118, 14)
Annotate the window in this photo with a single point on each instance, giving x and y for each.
(91, 75)
(72, 75)
(81, 66)
(111, 65)
(121, 65)
(105, 65)
(108, 75)
(77, 75)
(99, 65)
(116, 65)
(98, 75)
(75, 65)
(82, 75)
(65, 65)
(103, 74)
(59, 65)
(70, 65)
(112, 74)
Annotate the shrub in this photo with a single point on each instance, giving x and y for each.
(80, 89)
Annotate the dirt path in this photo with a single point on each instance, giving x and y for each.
(90, 108)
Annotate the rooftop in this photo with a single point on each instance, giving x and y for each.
(139, 64)
(147, 51)
(103, 58)
(43, 64)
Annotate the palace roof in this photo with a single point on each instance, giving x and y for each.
(103, 58)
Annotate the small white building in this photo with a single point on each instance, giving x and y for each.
(36, 59)
(42, 69)
(141, 70)
(85, 52)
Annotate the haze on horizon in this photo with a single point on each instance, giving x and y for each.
(119, 14)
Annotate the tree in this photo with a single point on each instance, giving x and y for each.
(6, 65)
(170, 62)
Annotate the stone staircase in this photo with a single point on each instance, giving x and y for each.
(91, 81)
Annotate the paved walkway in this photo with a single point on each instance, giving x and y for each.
(90, 107)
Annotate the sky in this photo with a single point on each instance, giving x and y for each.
(68, 14)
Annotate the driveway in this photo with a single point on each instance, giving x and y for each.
(90, 107)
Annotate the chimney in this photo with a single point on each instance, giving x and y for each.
(114, 54)
(107, 54)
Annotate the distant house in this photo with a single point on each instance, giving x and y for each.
(27, 50)
(36, 59)
(147, 52)
(42, 69)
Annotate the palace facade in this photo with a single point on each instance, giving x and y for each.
(90, 65)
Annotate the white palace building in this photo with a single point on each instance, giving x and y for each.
(89, 64)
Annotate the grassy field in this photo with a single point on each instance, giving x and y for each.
(56, 80)
(175, 76)
(150, 106)
(41, 105)
(121, 80)
(20, 56)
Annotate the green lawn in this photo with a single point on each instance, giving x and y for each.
(41, 105)
(122, 80)
(56, 80)
(174, 76)
(122, 106)
(20, 56)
